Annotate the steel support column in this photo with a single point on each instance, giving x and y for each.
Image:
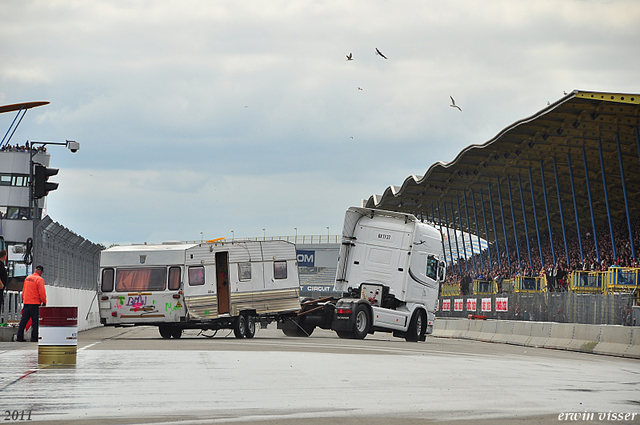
(593, 219)
(535, 217)
(524, 220)
(466, 211)
(546, 206)
(464, 245)
(446, 222)
(606, 200)
(455, 232)
(495, 230)
(504, 226)
(486, 229)
(575, 207)
(475, 215)
(564, 233)
(433, 214)
(513, 219)
(624, 191)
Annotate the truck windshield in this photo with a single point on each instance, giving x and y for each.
(141, 279)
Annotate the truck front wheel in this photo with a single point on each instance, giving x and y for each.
(362, 322)
(417, 326)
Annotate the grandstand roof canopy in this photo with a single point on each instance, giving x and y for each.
(594, 124)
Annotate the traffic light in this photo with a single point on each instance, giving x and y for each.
(41, 186)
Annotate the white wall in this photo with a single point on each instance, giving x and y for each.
(88, 313)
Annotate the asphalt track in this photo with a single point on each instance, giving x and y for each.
(132, 376)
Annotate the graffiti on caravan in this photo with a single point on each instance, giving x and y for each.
(306, 258)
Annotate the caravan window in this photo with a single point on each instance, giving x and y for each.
(244, 271)
(107, 280)
(174, 278)
(432, 267)
(141, 279)
(196, 276)
(280, 269)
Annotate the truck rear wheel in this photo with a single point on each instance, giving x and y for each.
(417, 326)
(362, 322)
(240, 327)
(176, 332)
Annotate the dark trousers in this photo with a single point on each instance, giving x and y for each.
(29, 311)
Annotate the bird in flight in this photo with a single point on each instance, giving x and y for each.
(453, 104)
(380, 53)
(350, 57)
(359, 88)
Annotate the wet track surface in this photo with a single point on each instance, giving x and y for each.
(132, 376)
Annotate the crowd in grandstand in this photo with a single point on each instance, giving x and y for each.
(25, 148)
(508, 267)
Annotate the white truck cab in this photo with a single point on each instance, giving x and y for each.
(391, 264)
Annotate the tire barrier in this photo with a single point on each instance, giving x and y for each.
(612, 340)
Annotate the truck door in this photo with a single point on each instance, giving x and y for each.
(222, 281)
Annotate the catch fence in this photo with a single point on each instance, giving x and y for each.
(69, 260)
(562, 307)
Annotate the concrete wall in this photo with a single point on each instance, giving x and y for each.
(88, 313)
(611, 340)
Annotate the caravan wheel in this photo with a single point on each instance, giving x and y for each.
(165, 331)
(240, 327)
(250, 328)
(176, 332)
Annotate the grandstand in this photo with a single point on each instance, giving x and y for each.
(560, 186)
(556, 196)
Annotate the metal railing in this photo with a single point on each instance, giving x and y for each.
(11, 307)
(622, 279)
(485, 287)
(587, 282)
(530, 284)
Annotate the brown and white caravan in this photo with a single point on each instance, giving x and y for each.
(218, 285)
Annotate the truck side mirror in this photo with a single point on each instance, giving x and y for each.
(442, 271)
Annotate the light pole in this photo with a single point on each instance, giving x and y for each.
(296, 239)
(232, 235)
(201, 238)
(327, 234)
(73, 146)
(264, 235)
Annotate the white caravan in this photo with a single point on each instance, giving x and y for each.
(199, 286)
(390, 267)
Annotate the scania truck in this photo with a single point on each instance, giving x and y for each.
(389, 271)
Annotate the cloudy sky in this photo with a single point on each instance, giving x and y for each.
(212, 116)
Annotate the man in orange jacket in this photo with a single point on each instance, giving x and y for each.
(33, 296)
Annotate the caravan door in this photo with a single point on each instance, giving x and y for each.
(222, 281)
